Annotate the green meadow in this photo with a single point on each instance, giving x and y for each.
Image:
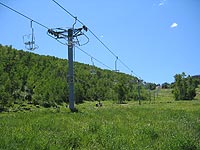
(159, 124)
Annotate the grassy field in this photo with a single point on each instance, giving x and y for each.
(162, 124)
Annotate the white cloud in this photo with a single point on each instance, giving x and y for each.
(174, 25)
(162, 2)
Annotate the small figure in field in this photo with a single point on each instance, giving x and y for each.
(99, 104)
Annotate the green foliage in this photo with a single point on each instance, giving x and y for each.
(121, 89)
(166, 126)
(197, 79)
(184, 87)
(151, 86)
(41, 80)
(166, 85)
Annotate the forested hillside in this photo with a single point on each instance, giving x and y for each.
(42, 80)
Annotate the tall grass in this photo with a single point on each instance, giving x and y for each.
(165, 126)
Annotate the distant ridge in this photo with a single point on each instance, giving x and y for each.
(196, 76)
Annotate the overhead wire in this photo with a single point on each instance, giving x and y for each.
(24, 15)
(87, 27)
(68, 12)
(29, 18)
(94, 58)
(105, 46)
(32, 20)
(128, 68)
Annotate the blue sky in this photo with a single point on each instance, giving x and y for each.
(155, 38)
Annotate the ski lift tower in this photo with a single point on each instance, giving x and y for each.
(66, 37)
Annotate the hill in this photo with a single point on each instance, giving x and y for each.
(29, 81)
(42, 80)
(196, 76)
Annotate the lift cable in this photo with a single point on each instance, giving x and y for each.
(83, 25)
(126, 66)
(24, 15)
(27, 17)
(94, 58)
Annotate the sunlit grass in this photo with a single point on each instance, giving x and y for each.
(165, 125)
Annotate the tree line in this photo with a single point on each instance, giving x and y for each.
(42, 80)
